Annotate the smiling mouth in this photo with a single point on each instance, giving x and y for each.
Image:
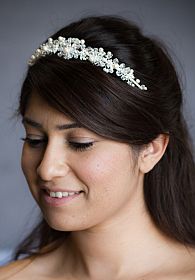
(59, 194)
(60, 198)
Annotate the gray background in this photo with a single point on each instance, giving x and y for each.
(23, 25)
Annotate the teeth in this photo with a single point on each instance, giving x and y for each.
(58, 194)
(65, 194)
(71, 193)
(61, 194)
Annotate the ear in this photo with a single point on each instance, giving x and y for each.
(153, 152)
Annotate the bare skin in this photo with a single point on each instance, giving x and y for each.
(112, 235)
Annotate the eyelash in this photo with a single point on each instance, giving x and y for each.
(76, 146)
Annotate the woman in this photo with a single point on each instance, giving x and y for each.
(107, 157)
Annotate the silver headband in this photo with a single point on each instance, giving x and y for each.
(76, 48)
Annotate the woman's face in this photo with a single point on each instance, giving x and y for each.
(57, 158)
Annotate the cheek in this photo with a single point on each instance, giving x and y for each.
(105, 170)
(95, 168)
(25, 161)
(110, 185)
(29, 163)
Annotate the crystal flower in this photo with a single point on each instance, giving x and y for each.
(75, 48)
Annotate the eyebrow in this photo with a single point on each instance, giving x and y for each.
(35, 124)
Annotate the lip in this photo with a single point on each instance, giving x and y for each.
(59, 189)
(59, 201)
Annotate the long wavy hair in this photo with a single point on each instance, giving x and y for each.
(108, 106)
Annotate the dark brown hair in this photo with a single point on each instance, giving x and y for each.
(108, 106)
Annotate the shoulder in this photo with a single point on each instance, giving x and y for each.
(18, 270)
(12, 269)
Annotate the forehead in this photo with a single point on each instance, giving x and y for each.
(40, 115)
(39, 110)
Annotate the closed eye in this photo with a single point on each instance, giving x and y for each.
(76, 146)
(34, 143)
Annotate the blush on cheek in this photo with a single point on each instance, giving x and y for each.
(97, 169)
(94, 170)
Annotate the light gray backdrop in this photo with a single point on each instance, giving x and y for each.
(23, 25)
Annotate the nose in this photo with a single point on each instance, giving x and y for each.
(53, 164)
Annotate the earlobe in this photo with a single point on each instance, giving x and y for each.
(153, 152)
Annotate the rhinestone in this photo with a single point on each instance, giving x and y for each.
(75, 48)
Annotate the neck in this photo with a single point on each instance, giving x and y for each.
(130, 246)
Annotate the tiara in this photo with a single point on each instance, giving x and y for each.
(76, 48)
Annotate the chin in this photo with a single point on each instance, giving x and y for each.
(66, 225)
